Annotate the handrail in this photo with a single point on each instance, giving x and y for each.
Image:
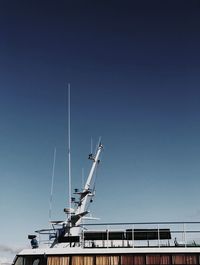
(185, 234)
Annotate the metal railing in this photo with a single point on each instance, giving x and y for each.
(153, 234)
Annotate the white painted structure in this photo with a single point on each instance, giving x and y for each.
(151, 243)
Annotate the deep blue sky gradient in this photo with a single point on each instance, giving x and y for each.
(134, 70)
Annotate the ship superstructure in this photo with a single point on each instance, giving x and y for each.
(73, 242)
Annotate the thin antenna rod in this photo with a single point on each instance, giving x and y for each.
(99, 143)
(91, 146)
(69, 149)
(52, 184)
(82, 186)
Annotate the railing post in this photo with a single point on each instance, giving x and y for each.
(82, 239)
(39, 241)
(133, 236)
(158, 236)
(107, 235)
(184, 233)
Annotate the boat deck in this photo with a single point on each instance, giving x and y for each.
(129, 235)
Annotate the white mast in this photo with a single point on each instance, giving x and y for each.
(75, 216)
(69, 151)
(95, 161)
(85, 195)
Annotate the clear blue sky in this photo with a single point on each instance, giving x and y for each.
(134, 70)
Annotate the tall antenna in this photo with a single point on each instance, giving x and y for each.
(82, 183)
(91, 145)
(52, 184)
(69, 150)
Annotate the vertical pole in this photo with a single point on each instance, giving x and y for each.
(82, 184)
(158, 236)
(91, 146)
(107, 235)
(133, 235)
(83, 237)
(52, 183)
(184, 232)
(69, 150)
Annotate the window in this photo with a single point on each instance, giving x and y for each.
(127, 260)
(133, 260)
(158, 259)
(139, 260)
(107, 260)
(30, 260)
(19, 261)
(36, 262)
(184, 259)
(56, 260)
(82, 260)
